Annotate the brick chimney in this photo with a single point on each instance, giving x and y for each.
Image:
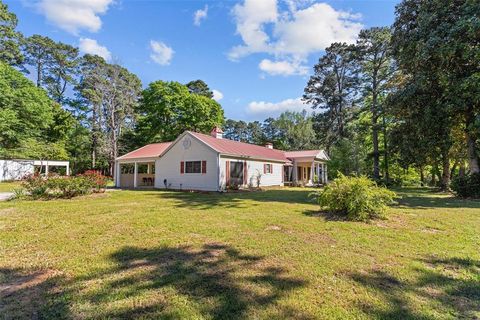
(217, 132)
(269, 145)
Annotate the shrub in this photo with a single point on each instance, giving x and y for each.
(69, 187)
(467, 186)
(35, 185)
(63, 187)
(97, 180)
(357, 197)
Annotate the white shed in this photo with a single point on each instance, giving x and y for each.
(16, 169)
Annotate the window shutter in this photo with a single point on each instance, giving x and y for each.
(264, 168)
(271, 168)
(182, 167)
(245, 173)
(204, 167)
(227, 173)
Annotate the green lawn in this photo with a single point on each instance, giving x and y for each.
(264, 255)
(9, 186)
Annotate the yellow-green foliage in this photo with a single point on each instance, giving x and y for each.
(356, 197)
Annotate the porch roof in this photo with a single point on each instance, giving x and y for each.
(312, 154)
(149, 151)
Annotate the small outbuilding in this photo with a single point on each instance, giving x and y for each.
(16, 169)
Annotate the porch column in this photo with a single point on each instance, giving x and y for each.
(295, 172)
(323, 173)
(67, 171)
(135, 174)
(148, 168)
(116, 174)
(312, 172)
(318, 173)
(326, 174)
(46, 168)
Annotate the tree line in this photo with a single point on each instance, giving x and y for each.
(404, 98)
(401, 104)
(83, 108)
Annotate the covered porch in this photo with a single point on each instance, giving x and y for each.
(307, 168)
(135, 174)
(307, 174)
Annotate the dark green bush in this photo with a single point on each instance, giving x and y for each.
(356, 198)
(467, 186)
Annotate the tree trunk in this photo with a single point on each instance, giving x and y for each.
(385, 149)
(39, 75)
(454, 168)
(445, 181)
(462, 170)
(433, 182)
(422, 177)
(94, 136)
(473, 162)
(376, 153)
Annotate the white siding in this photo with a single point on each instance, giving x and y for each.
(255, 171)
(15, 169)
(168, 167)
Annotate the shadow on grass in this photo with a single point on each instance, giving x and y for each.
(444, 286)
(429, 198)
(215, 281)
(32, 295)
(235, 199)
(325, 215)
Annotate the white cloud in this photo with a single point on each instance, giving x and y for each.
(275, 108)
(199, 15)
(91, 46)
(74, 15)
(217, 95)
(161, 53)
(284, 68)
(251, 17)
(290, 32)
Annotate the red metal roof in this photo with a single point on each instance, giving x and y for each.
(148, 151)
(228, 147)
(241, 149)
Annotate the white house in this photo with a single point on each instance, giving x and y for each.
(196, 161)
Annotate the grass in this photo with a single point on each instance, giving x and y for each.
(9, 186)
(266, 255)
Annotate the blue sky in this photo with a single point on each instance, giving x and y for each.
(256, 54)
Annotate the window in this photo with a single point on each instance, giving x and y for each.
(268, 168)
(193, 167)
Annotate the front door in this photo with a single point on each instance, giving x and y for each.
(236, 173)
